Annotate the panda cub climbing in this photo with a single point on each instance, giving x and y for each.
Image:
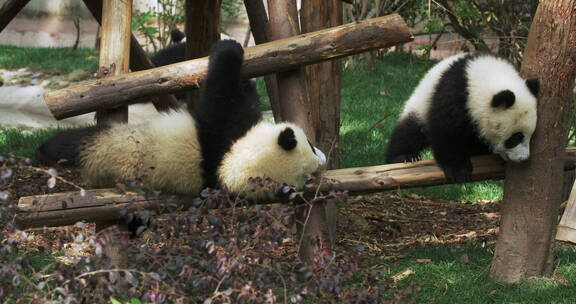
(467, 104)
(224, 144)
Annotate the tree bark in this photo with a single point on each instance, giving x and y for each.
(292, 86)
(202, 30)
(105, 204)
(138, 59)
(324, 79)
(532, 190)
(114, 51)
(261, 31)
(262, 59)
(9, 10)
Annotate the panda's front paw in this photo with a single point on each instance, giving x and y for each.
(458, 173)
(286, 194)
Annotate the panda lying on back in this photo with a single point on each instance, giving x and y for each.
(224, 145)
(467, 104)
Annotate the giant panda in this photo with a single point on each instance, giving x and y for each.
(467, 104)
(223, 144)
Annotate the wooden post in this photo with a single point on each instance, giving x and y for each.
(9, 10)
(324, 79)
(292, 87)
(532, 189)
(202, 30)
(259, 60)
(261, 31)
(138, 59)
(115, 50)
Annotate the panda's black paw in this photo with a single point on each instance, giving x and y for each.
(286, 194)
(458, 173)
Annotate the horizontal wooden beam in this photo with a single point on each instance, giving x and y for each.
(60, 209)
(266, 58)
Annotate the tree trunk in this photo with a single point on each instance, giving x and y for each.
(138, 59)
(114, 51)
(202, 31)
(292, 87)
(259, 60)
(324, 79)
(532, 189)
(9, 10)
(261, 31)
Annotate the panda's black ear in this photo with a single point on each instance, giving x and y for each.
(503, 99)
(287, 139)
(533, 85)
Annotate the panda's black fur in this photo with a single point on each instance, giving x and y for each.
(446, 123)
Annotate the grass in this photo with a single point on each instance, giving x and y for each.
(461, 275)
(62, 60)
(22, 143)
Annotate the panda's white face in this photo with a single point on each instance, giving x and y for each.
(280, 152)
(503, 106)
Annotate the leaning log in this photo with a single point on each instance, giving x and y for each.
(260, 60)
(61, 209)
(114, 52)
(9, 10)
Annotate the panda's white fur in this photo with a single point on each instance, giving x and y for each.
(470, 103)
(240, 163)
(487, 76)
(163, 152)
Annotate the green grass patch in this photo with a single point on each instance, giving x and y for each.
(22, 143)
(461, 275)
(62, 60)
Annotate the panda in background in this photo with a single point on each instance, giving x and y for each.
(467, 104)
(221, 146)
(176, 51)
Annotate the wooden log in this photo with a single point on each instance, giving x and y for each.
(9, 10)
(105, 204)
(292, 86)
(114, 51)
(567, 227)
(202, 30)
(324, 80)
(261, 31)
(139, 61)
(260, 60)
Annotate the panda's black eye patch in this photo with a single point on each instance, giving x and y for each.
(514, 140)
(287, 139)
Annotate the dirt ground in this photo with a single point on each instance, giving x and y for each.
(378, 225)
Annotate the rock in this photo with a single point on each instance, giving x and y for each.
(36, 75)
(34, 81)
(77, 75)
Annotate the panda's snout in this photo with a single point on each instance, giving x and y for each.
(518, 154)
(321, 158)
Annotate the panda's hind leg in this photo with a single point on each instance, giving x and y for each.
(407, 141)
(64, 147)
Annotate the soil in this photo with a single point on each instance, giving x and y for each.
(379, 225)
